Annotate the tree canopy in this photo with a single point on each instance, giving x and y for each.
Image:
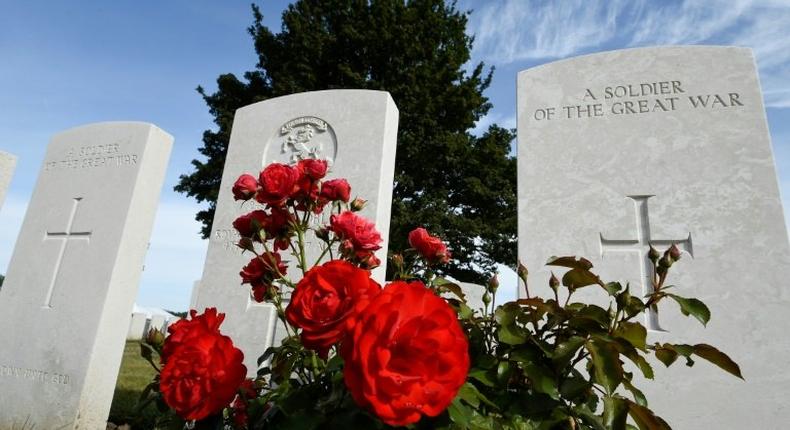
(459, 186)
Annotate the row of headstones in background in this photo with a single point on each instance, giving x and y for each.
(141, 323)
(624, 149)
(356, 131)
(72, 280)
(7, 166)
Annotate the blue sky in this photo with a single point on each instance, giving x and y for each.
(66, 63)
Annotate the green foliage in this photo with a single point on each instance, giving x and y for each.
(416, 50)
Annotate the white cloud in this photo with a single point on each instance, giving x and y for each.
(516, 31)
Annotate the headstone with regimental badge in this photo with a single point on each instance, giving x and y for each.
(7, 165)
(356, 131)
(624, 149)
(72, 280)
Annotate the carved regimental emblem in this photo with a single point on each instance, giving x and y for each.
(307, 137)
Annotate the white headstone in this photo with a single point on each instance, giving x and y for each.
(474, 294)
(72, 280)
(138, 326)
(7, 166)
(667, 145)
(355, 129)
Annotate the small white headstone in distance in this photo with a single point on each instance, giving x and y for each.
(355, 129)
(138, 326)
(624, 149)
(72, 280)
(7, 166)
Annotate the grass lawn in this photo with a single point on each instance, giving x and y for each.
(135, 374)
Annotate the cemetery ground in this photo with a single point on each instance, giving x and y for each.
(134, 375)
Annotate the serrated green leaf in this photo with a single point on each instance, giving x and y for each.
(645, 419)
(615, 412)
(542, 379)
(578, 278)
(635, 333)
(607, 368)
(570, 262)
(565, 351)
(718, 358)
(692, 307)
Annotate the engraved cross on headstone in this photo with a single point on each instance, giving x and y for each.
(63, 236)
(641, 245)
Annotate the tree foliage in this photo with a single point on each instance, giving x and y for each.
(456, 184)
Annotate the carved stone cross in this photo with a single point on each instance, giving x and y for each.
(64, 237)
(641, 246)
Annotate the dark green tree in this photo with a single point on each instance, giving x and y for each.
(459, 186)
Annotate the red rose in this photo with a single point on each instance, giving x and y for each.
(278, 226)
(277, 183)
(326, 301)
(313, 169)
(249, 224)
(336, 189)
(245, 187)
(261, 272)
(430, 247)
(407, 355)
(357, 231)
(203, 369)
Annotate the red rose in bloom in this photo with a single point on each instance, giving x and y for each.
(359, 233)
(202, 369)
(248, 224)
(260, 272)
(326, 301)
(407, 354)
(336, 189)
(278, 226)
(313, 169)
(277, 183)
(245, 187)
(430, 247)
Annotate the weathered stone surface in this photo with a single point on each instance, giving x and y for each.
(661, 145)
(355, 129)
(67, 299)
(7, 166)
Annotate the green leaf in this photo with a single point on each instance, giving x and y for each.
(718, 358)
(451, 287)
(578, 278)
(607, 368)
(645, 419)
(565, 351)
(635, 333)
(542, 379)
(511, 335)
(666, 355)
(639, 396)
(486, 377)
(589, 418)
(460, 413)
(570, 262)
(612, 288)
(471, 395)
(615, 412)
(692, 307)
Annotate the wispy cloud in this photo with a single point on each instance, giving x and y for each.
(527, 31)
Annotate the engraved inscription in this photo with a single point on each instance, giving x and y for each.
(35, 375)
(93, 156)
(637, 98)
(641, 246)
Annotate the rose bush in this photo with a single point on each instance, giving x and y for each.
(414, 353)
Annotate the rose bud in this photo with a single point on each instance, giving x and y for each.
(336, 190)
(431, 248)
(653, 254)
(358, 204)
(674, 252)
(493, 284)
(370, 261)
(554, 283)
(155, 338)
(245, 187)
(322, 233)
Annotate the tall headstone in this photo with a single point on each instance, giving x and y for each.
(7, 166)
(624, 149)
(72, 279)
(355, 130)
(138, 326)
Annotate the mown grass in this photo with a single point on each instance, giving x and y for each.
(135, 374)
